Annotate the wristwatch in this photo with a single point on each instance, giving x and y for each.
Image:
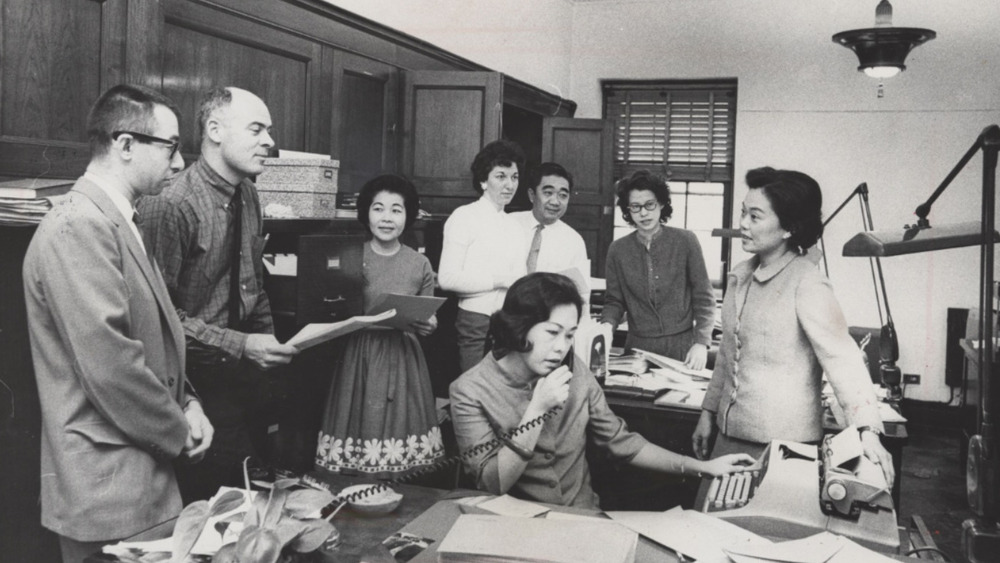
(871, 429)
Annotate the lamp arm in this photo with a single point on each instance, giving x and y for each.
(861, 190)
(888, 342)
(924, 209)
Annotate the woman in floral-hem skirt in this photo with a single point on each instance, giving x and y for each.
(380, 417)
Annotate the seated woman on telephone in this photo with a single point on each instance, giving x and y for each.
(523, 383)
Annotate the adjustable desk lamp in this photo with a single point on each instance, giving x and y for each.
(888, 352)
(981, 534)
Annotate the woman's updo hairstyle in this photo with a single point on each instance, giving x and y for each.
(797, 201)
(643, 180)
(395, 185)
(530, 300)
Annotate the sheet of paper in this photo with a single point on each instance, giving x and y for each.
(853, 553)
(281, 264)
(814, 549)
(507, 505)
(689, 532)
(556, 515)
(498, 538)
(473, 501)
(845, 447)
(889, 414)
(317, 333)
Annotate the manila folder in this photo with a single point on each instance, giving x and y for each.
(409, 308)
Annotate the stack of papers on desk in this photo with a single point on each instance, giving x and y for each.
(629, 364)
(671, 364)
(667, 386)
(477, 537)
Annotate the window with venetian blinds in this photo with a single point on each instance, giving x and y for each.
(684, 130)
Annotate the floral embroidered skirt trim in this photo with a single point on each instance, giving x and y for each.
(380, 416)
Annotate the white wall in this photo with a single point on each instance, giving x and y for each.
(527, 39)
(802, 105)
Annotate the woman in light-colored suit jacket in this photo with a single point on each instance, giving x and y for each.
(782, 329)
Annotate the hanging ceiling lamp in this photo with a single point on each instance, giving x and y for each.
(882, 49)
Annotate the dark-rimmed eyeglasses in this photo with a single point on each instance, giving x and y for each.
(650, 205)
(174, 146)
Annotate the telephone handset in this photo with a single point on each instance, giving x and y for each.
(441, 464)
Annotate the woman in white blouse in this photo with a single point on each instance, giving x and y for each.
(483, 250)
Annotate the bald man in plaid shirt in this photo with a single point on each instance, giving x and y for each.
(206, 231)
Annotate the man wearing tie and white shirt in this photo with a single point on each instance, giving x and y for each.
(554, 245)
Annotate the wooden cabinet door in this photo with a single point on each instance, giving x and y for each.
(365, 118)
(583, 147)
(448, 116)
(204, 46)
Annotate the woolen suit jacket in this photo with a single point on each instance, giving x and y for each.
(108, 351)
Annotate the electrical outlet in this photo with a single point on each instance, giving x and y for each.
(911, 379)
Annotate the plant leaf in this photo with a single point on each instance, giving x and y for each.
(230, 500)
(316, 533)
(187, 529)
(258, 545)
(222, 525)
(305, 502)
(255, 515)
(288, 529)
(285, 483)
(275, 507)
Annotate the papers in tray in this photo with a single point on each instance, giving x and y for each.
(317, 333)
(478, 537)
(409, 309)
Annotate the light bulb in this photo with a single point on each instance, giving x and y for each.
(882, 71)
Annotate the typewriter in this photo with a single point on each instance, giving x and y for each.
(796, 490)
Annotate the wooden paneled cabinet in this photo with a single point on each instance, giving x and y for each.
(373, 98)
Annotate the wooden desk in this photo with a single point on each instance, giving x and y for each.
(671, 427)
(362, 535)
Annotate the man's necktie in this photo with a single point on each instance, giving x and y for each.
(236, 207)
(536, 246)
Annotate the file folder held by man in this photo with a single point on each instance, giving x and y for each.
(317, 333)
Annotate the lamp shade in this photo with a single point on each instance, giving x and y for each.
(916, 239)
(882, 51)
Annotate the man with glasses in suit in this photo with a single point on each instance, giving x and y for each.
(107, 346)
